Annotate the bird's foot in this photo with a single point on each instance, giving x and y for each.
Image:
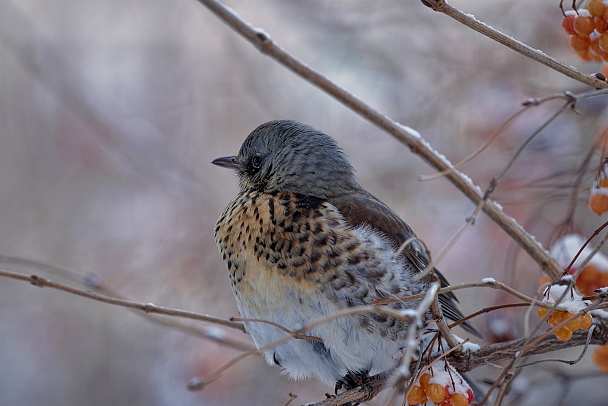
(353, 380)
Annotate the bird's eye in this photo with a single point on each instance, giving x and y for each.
(256, 161)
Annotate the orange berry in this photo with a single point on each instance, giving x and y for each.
(416, 396)
(594, 47)
(600, 358)
(588, 279)
(603, 368)
(596, 8)
(568, 24)
(601, 25)
(542, 312)
(579, 43)
(583, 25)
(604, 181)
(559, 316)
(603, 280)
(589, 273)
(424, 380)
(574, 324)
(586, 321)
(598, 203)
(458, 399)
(555, 318)
(603, 42)
(562, 334)
(435, 392)
(594, 57)
(585, 56)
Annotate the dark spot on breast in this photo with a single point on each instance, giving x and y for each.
(362, 293)
(352, 245)
(380, 318)
(298, 261)
(351, 278)
(354, 259)
(320, 242)
(296, 217)
(287, 245)
(364, 322)
(320, 349)
(338, 283)
(298, 250)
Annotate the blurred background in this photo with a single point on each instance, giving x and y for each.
(110, 113)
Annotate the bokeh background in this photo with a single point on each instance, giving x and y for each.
(110, 113)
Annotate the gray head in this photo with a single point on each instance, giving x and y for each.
(288, 156)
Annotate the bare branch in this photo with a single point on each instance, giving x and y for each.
(145, 307)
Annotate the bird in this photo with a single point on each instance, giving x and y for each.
(303, 240)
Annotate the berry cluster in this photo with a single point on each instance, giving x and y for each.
(588, 30)
(600, 358)
(557, 317)
(439, 388)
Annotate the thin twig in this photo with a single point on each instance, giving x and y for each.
(572, 362)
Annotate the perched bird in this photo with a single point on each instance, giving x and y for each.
(302, 240)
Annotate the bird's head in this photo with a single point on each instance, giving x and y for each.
(287, 156)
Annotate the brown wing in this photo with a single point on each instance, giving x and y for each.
(361, 207)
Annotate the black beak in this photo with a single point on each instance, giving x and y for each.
(227, 162)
